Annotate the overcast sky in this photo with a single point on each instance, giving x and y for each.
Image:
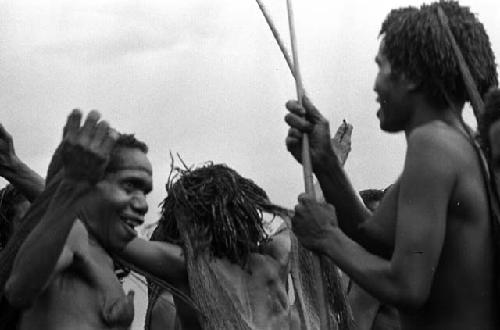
(204, 79)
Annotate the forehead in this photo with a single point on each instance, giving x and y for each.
(380, 57)
(131, 160)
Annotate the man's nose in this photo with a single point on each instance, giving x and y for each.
(139, 204)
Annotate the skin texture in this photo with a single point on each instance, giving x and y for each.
(435, 218)
(62, 277)
(264, 284)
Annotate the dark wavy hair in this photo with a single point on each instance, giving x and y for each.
(417, 46)
(224, 212)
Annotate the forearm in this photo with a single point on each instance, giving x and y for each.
(338, 191)
(352, 215)
(27, 181)
(161, 259)
(37, 258)
(376, 275)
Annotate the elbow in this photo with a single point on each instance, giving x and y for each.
(17, 295)
(411, 297)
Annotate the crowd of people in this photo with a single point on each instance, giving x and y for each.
(421, 254)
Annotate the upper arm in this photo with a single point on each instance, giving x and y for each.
(426, 186)
(14, 287)
(161, 259)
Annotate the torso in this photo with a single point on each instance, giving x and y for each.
(462, 295)
(87, 295)
(262, 290)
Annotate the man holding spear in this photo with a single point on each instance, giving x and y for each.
(428, 249)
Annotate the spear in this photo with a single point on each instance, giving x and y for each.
(306, 156)
(307, 168)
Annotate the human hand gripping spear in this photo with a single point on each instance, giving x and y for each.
(306, 158)
(306, 166)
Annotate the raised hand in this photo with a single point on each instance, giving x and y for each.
(8, 156)
(308, 120)
(86, 149)
(341, 142)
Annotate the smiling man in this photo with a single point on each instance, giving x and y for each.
(433, 226)
(62, 277)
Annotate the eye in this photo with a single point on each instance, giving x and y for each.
(128, 186)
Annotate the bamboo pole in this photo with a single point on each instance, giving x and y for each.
(308, 174)
(276, 36)
(306, 156)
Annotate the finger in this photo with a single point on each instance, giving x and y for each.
(72, 124)
(297, 212)
(109, 140)
(89, 125)
(4, 135)
(299, 123)
(295, 107)
(330, 207)
(305, 198)
(295, 133)
(312, 113)
(348, 130)
(100, 134)
(340, 132)
(294, 146)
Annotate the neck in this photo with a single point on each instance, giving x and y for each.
(425, 113)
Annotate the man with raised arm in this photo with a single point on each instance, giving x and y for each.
(62, 277)
(433, 226)
(24, 186)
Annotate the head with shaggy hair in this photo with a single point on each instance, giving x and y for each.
(417, 47)
(223, 212)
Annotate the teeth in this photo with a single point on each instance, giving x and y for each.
(129, 222)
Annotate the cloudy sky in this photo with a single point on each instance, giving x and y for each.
(204, 79)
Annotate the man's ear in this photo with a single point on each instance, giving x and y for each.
(411, 85)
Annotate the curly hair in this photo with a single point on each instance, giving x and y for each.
(417, 46)
(490, 115)
(124, 141)
(224, 212)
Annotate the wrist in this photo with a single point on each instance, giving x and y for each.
(11, 167)
(326, 162)
(329, 236)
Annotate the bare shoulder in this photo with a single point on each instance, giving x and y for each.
(440, 145)
(279, 245)
(437, 136)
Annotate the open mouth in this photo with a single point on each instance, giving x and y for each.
(131, 222)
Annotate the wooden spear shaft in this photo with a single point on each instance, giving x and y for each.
(276, 35)
(307, 170)
(306, 156)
